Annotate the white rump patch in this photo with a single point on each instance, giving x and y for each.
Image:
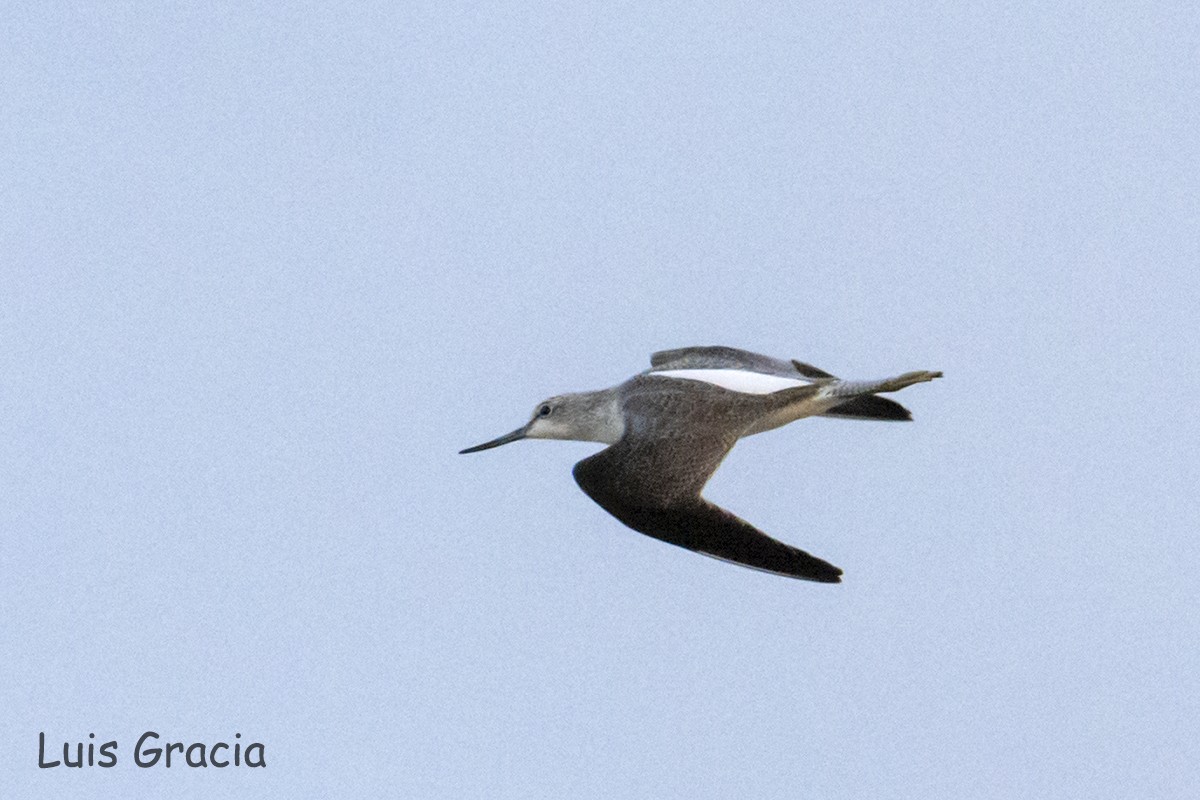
(736, 380)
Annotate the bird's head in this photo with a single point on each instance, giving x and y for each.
(584, 417)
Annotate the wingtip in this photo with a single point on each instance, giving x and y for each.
(811, 372)
(822, 572)
(816, 570)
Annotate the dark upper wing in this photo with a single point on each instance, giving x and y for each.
(718, 357)
(861, 407)
(644, 484)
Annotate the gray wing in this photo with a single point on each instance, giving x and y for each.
(718, 357)
(651, 481)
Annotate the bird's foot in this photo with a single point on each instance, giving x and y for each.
(908, 379)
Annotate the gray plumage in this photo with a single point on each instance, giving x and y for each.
(669, 428)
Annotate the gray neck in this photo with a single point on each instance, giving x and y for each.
(596, 417)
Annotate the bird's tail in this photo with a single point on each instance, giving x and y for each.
(869, 406)
(862, 402)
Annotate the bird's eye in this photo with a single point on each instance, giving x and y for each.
(545, 410)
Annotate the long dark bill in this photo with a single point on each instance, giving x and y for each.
(519, 433)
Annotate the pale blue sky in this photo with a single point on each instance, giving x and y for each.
(265, 269)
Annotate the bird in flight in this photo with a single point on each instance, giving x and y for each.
(668, 429)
